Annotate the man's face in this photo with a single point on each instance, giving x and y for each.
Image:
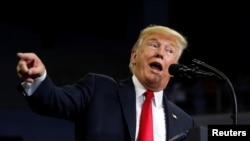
(152, 60)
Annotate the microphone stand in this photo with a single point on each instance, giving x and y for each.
(233, 99)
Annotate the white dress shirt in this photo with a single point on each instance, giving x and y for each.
(159, 124)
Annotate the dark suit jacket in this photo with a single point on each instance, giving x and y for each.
(101, 108)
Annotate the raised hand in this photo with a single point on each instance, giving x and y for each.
(29, 66)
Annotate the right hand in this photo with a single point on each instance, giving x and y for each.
(29, 67)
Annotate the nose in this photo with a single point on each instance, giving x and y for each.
(159, 53)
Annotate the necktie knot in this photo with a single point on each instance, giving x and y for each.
(149, 94)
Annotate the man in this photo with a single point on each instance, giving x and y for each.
(107, 110)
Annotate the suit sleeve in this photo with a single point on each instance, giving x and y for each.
(62, 102)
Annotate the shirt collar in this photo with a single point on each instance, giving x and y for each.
(140, 89)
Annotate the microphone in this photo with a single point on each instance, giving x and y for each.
(179, 137)
(184, 71)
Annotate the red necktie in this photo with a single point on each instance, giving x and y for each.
(146, 121)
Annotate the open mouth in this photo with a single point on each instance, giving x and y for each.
(156, 66)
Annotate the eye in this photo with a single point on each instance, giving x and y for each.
(169, 50)
(153, 44)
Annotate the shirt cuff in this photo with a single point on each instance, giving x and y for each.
(29, 88)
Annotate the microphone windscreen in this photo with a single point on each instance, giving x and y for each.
(174, 69)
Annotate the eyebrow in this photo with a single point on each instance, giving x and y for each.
(171, 45)
(153, 39)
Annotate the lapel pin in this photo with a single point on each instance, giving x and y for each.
(174, 116)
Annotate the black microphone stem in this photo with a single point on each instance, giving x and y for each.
(234, 99)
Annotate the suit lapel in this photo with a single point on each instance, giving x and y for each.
(127, 98)
(171, 118)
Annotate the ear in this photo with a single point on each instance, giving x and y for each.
(133, 56)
